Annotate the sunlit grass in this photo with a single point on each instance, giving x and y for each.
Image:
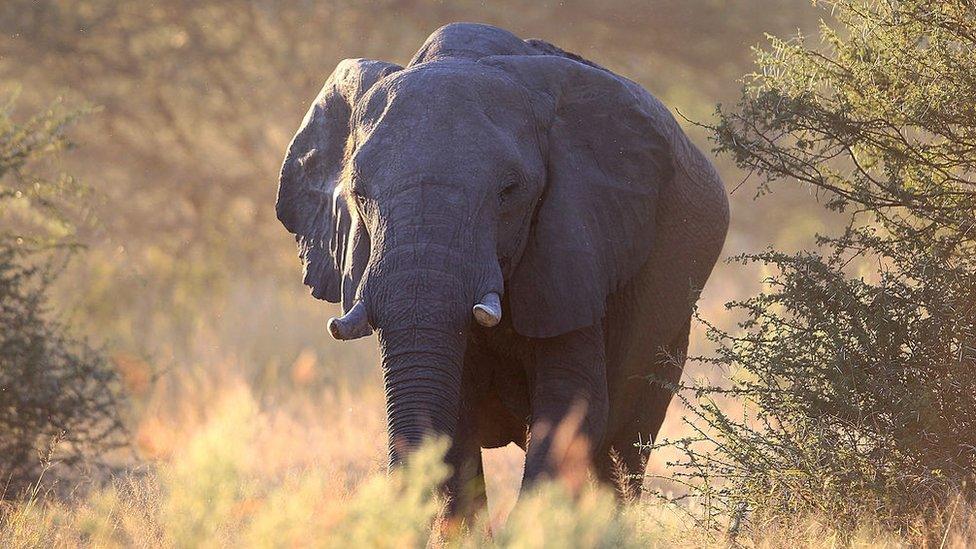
(227, 459)
(231, 470)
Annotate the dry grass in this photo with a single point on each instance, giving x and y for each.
(222, 466)
(277, 444)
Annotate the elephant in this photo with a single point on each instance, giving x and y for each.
(526, 232)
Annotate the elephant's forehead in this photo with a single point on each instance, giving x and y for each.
(450, 89)
(441, 118)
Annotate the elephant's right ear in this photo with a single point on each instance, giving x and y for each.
(608, 153)
(310, 204)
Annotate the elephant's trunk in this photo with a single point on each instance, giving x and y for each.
(422, 319)
(423, 386)
(431, 266)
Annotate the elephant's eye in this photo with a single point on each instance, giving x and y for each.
(508, 191)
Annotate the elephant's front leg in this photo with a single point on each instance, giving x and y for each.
(466, 485)
(569, 404)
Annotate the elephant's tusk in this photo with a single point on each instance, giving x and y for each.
(488, 312)
(352, 325)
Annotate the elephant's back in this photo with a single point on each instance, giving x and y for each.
(470, 41)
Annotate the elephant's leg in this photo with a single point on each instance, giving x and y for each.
(569, 405)
(466, 485)
(623, 459)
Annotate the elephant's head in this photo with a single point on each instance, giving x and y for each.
(485, 168)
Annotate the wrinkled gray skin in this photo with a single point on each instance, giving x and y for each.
(493, 164)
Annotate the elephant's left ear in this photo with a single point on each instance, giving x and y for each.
(606, 160)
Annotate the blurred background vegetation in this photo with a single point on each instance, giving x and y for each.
(197, 101)
(178, 276)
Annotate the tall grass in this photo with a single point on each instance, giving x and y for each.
(231, 471)
(223, 466)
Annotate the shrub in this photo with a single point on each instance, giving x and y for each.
(856, 366)
(58, 396)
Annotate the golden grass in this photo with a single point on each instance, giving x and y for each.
(223, 466)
